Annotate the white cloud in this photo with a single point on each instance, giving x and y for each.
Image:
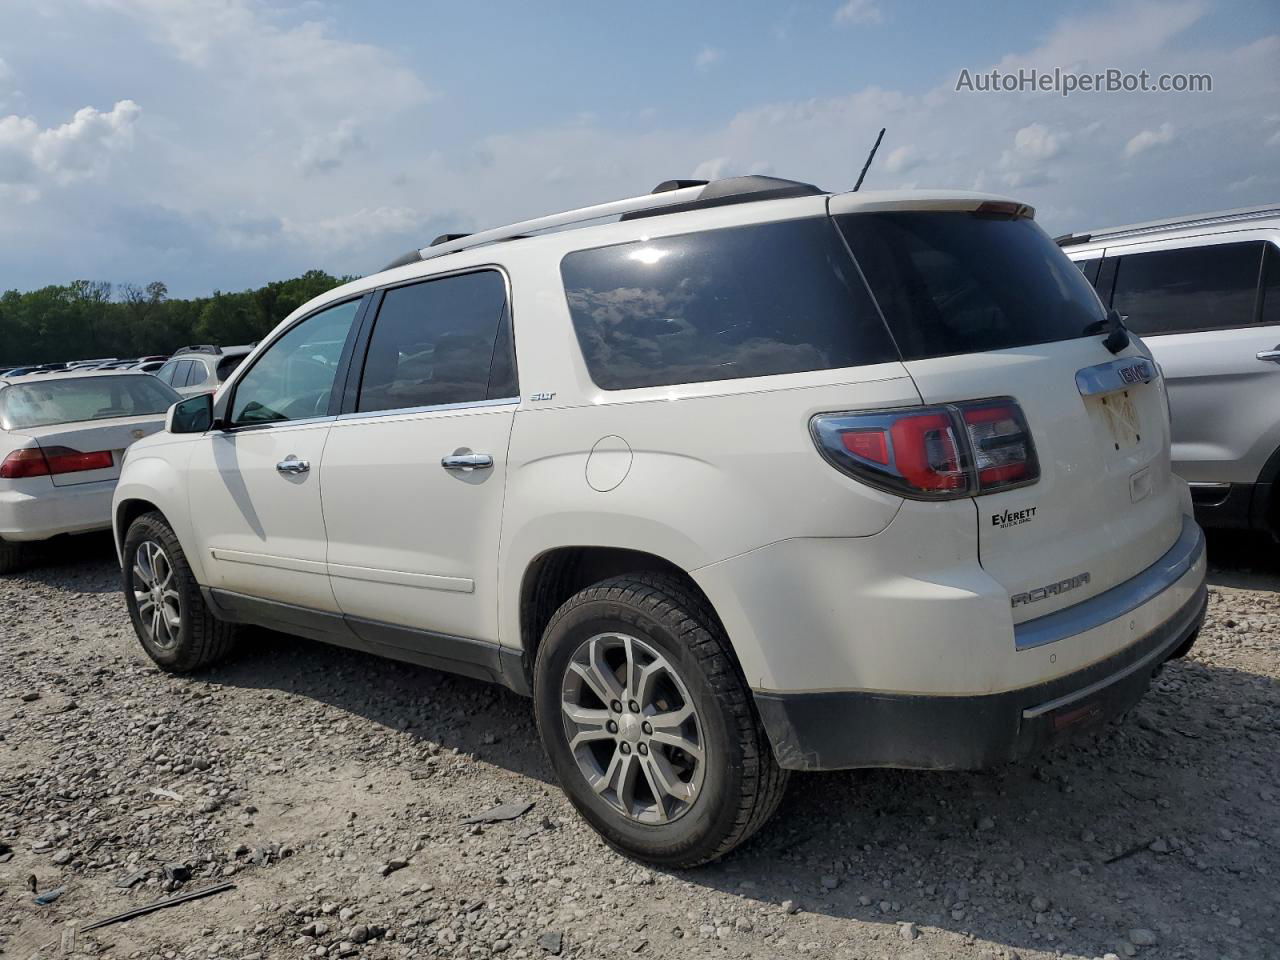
(1037, 142)
(1146, 139)
(82, 148)
(858, 11)
(327, 151)
(901, 159)
(713, 169)
(708, 57)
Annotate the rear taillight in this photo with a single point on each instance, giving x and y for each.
(41, 462)
(932, 453)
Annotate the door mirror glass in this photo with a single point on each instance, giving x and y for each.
(192, 415)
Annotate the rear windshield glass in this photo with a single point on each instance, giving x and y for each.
(46, 402)
(748, 301)
(952, 283)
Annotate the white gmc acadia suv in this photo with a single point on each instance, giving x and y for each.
(753, 478)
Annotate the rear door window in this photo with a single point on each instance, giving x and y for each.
(747, 301)
(955, 282)
(438, 342)
(1193, 288)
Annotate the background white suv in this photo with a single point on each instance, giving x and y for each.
(1204, 294)
(753, 479)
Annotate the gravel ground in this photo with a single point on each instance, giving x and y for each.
(331, 788)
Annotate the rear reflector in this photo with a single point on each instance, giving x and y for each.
(932, 453)
(38, 462)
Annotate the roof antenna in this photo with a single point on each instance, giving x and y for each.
(871, 156)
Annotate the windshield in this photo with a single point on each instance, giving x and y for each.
(46, 402)
(954, 282)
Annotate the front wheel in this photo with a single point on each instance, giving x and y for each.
(649, 725)
(169, 615)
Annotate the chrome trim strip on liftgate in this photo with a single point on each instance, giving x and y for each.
(1120, 599)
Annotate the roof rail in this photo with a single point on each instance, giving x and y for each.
(198, 348)
(670, 196)
(1175, 223)
(1071, 239)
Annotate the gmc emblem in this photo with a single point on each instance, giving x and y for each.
(1139, 372)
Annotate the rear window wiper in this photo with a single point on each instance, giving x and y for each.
(1117, 335)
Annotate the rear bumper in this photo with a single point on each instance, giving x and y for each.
(840, 730)
(46, 511)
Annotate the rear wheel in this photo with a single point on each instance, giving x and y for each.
(13, 556)
(168, 612)
(649, 725)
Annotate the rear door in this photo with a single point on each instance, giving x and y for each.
(986, 307)
(414, 474)
(1196, 303)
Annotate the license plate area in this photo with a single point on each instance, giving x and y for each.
(1116, 420)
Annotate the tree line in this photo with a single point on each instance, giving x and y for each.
(88, 319)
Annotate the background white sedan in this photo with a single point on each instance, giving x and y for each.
(62, 440)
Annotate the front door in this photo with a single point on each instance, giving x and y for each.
(413, 478)
(255, 485)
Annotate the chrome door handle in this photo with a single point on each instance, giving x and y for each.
(292, 465)
(467, 461)
(1271, 355)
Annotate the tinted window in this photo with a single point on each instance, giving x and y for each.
(952, 283)
(1196, 288)
(198, 373)
(739, 302)
(437, 342)
(45, 402)
(166, 372)
(227, 366)
(293, 379)
(1271, 286)
(1090, 268)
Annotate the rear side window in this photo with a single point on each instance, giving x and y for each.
(198, 373)
(1194, 288)
(747, 301)
(166, 371)
(440, 341)
(227, 366)
(953, 282)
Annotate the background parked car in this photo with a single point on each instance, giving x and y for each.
(1204, 293)
(201, 368)
(62, 443)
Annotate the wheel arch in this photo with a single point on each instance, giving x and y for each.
(556, 574)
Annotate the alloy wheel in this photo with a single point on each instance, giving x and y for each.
(154, 591)
(632, 728)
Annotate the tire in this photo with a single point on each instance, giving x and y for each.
(659, 625)
(13, 556)
(190, 637)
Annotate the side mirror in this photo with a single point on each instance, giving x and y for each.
(192, 415)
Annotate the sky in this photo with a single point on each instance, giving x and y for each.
(222, 144)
